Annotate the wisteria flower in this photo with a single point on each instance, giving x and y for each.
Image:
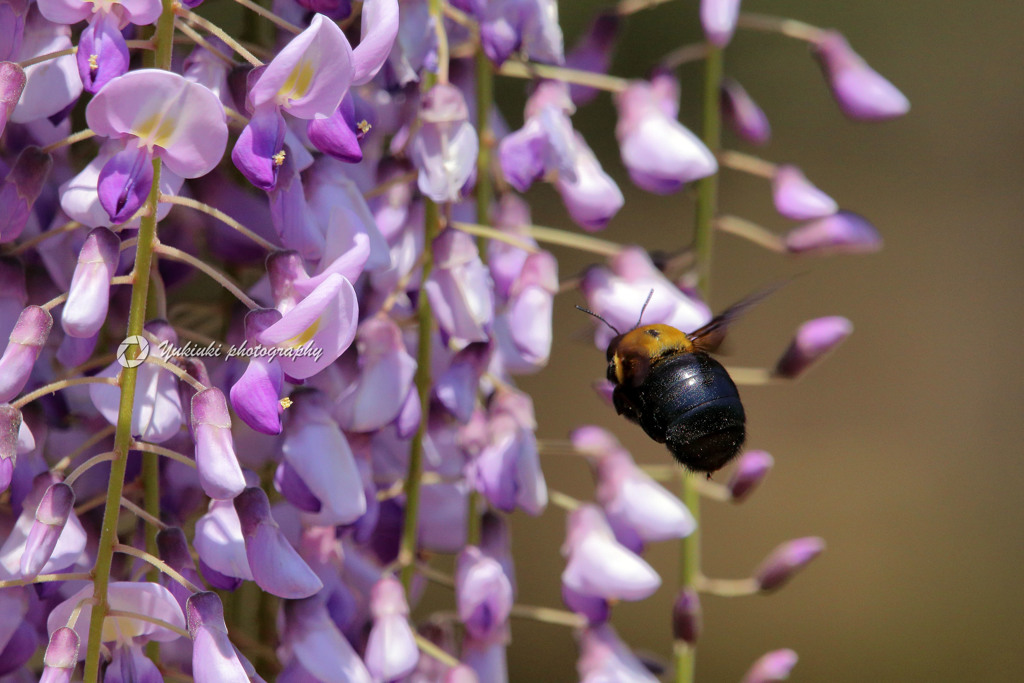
(157, 114)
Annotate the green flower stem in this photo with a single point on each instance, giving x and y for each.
(425, 321)
(707, 205)
(128, 379)
(413, 479)
(484, 199)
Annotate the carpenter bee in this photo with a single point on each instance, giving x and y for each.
(666, 382)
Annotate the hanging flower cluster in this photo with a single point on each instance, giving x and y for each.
(296, 282)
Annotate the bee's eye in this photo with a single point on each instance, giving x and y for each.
(611, 371)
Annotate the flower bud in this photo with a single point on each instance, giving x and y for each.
(26, 342)
(173, 550)
(813, 341)
(276, 566)
(51, 516)
(391, 650)
(751, 469)
(795, 197)
(20, 189)
(843, 232)
(219, 472)
(861, 92)
(743, 114)
(214, 659)
(786, 560)
(89, 295)
(61, 656)
(718, 17)
(196, 369)
(12, 83)
(773, 666)
(593, 53)
(10, 428)
(687, 617)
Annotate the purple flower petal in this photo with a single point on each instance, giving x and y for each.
(150, 599)
(812, 342)
(80, 200)
(129, 664)
(260, 146)
(687, 617)
(483, 593)
(89, 295)
(102, 52)
(591, 196)
(289, 212)
(276, 566)
(318, 644)
(786, 560)
(743, 114)
(256, 396)
(214, 659)
(718, 17)
(20, 189)
(751, 469)
(51, 517)
(841, 233)
(10, 428)
(618, 295)
(446, 145)
(795, 197)
(181, 122)
(522, 154)
(157, 415)
(386, 374)
(54, 84)
(861, 92)
(61, 656)
(391, 650)
(23, 348)
(124, 182)
(460, 288)
(773, 666)
(377, 36)
(219, 543)
(603, 657)
(320, 454)
(314, 333)
(593, 53)
(220, 475)
(12, 84)
(659, 152)
(310, 75)
(599, 565)
(337, 135)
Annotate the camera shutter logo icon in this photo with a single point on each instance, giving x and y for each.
(140, 355)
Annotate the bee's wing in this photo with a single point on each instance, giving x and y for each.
(711, 336)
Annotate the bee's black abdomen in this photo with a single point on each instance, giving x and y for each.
(689, 403)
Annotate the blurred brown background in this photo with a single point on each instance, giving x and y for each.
(904, 449)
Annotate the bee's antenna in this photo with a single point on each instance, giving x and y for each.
(638, 320)
(599, 318)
